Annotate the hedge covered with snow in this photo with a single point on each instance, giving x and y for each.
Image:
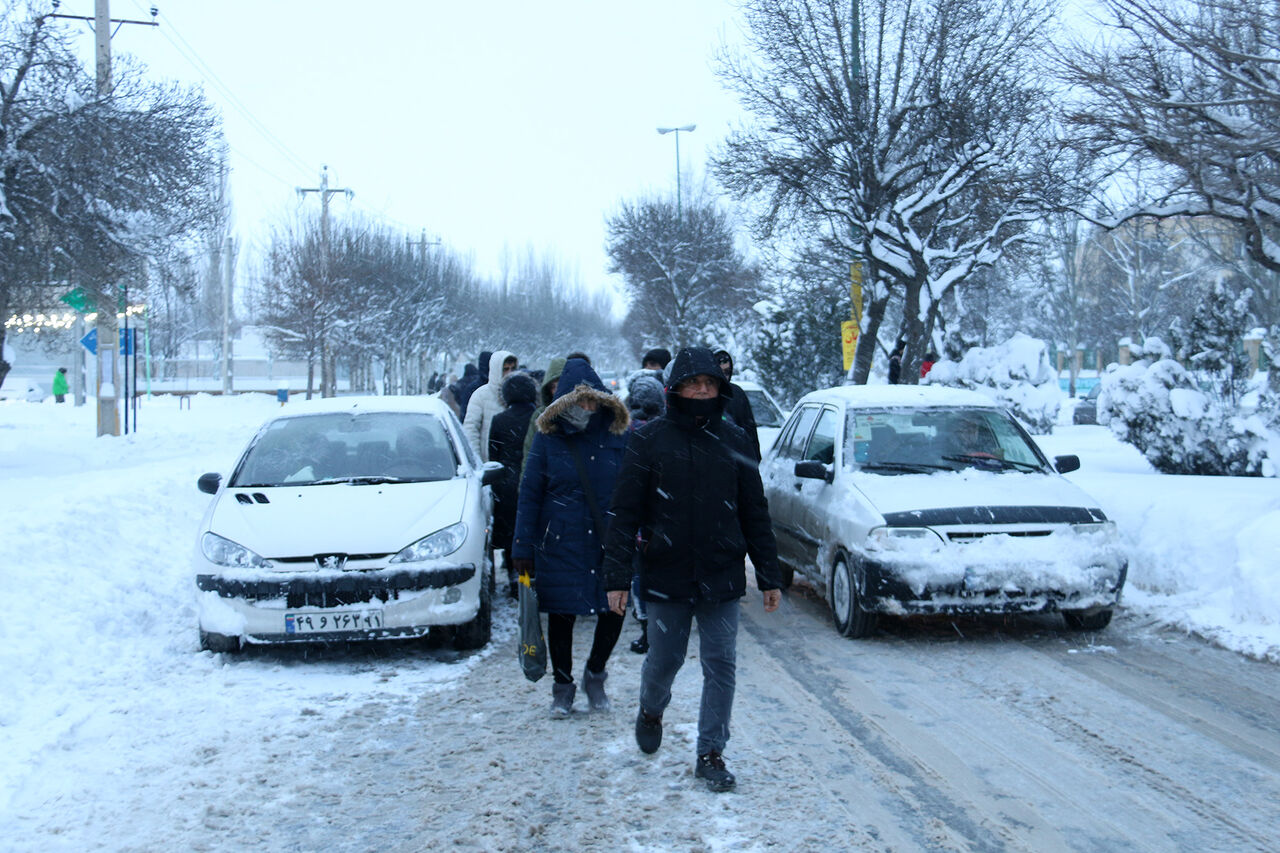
(1016, 374)
(1157, 405)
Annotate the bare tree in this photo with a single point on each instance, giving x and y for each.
(901, 133)
(1194, 89)
(683, 273)
(89, 184)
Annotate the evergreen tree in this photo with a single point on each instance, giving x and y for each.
(1215, 339)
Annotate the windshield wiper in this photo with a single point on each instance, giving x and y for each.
(904, 466)
(983, 459)
(366, 480)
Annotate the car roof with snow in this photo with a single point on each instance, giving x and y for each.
(365, 404)
(894, 396)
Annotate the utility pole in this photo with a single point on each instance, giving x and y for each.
(328, 381)
(422, 243)
(108, 370)
(227, 369)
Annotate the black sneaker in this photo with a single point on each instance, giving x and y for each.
(640, 645)
(711, 767)
(649, 732)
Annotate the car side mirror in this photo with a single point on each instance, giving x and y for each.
(1066, 464)
(813, 470)
(208, 483)
(492, 473)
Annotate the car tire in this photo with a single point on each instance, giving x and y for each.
(475, 634)
(848, 586)
(211, 642)
(1082, 620)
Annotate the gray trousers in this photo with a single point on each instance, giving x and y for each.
(669, 627)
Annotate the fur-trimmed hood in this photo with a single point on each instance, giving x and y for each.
(578, 382)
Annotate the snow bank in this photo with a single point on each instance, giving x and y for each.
(1204, 552)
(1016, 374)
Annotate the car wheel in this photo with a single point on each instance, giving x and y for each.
(848, 586)
(475, 634)
(1082, 620)
(211, 642)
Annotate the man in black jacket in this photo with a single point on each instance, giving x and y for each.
(738, 407)
(689, 488)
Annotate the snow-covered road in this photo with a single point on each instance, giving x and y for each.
(117, 734)
(965, 735)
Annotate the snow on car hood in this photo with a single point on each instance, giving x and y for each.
(339, 518)
(967, 488)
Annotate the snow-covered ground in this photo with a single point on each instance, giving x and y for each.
(98, 641)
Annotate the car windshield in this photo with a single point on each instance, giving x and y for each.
(365, 448)
(763, 409)
(905, 441)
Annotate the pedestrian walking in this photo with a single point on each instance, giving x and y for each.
(646, 400)
(930, 359)
(60, 386)
(690, 501)
(506, 445)
(655, 359)
(485, 403)
(455, 393)
(479, 376)
(737, 406)
(546, 393)
(895, 363)
(560, 527)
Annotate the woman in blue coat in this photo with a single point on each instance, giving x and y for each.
(558, 537)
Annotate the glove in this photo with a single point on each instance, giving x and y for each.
(523, 566)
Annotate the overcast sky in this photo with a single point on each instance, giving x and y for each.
(484, 123)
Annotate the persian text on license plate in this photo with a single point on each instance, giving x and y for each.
(314, 621)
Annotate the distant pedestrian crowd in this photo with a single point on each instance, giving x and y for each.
(653, 501)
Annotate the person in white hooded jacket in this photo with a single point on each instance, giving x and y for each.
(487, 402)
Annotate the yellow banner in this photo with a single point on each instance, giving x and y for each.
(855, 291)
(848, 342)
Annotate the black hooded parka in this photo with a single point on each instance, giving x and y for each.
(690, 486)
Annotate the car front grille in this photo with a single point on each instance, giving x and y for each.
(348, 588)
(963, 536)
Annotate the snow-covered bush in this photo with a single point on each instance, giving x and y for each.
(1016, 374)
(1156, 405)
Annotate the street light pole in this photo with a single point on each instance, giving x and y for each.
(688, 128)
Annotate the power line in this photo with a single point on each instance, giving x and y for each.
(190, 54)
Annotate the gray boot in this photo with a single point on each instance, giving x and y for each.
(593, 683)
(562, 699)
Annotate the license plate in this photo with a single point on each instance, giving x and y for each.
(317, 621)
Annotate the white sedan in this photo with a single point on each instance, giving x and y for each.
(908, 500)
(350, 518)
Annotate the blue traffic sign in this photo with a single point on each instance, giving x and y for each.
(90, 341)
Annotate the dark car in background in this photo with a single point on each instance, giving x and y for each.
(1086, 411)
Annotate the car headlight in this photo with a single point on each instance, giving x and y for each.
(904, 540)
(222, 551)
(438, 544)
(1101, 532)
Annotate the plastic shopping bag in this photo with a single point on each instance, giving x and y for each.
(533, 646)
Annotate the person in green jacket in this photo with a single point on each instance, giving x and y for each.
(60, 386)
(545, 395)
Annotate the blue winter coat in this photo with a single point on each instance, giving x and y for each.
(554, 524)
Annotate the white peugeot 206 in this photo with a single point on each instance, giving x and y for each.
(352, 518)
(914, 500)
